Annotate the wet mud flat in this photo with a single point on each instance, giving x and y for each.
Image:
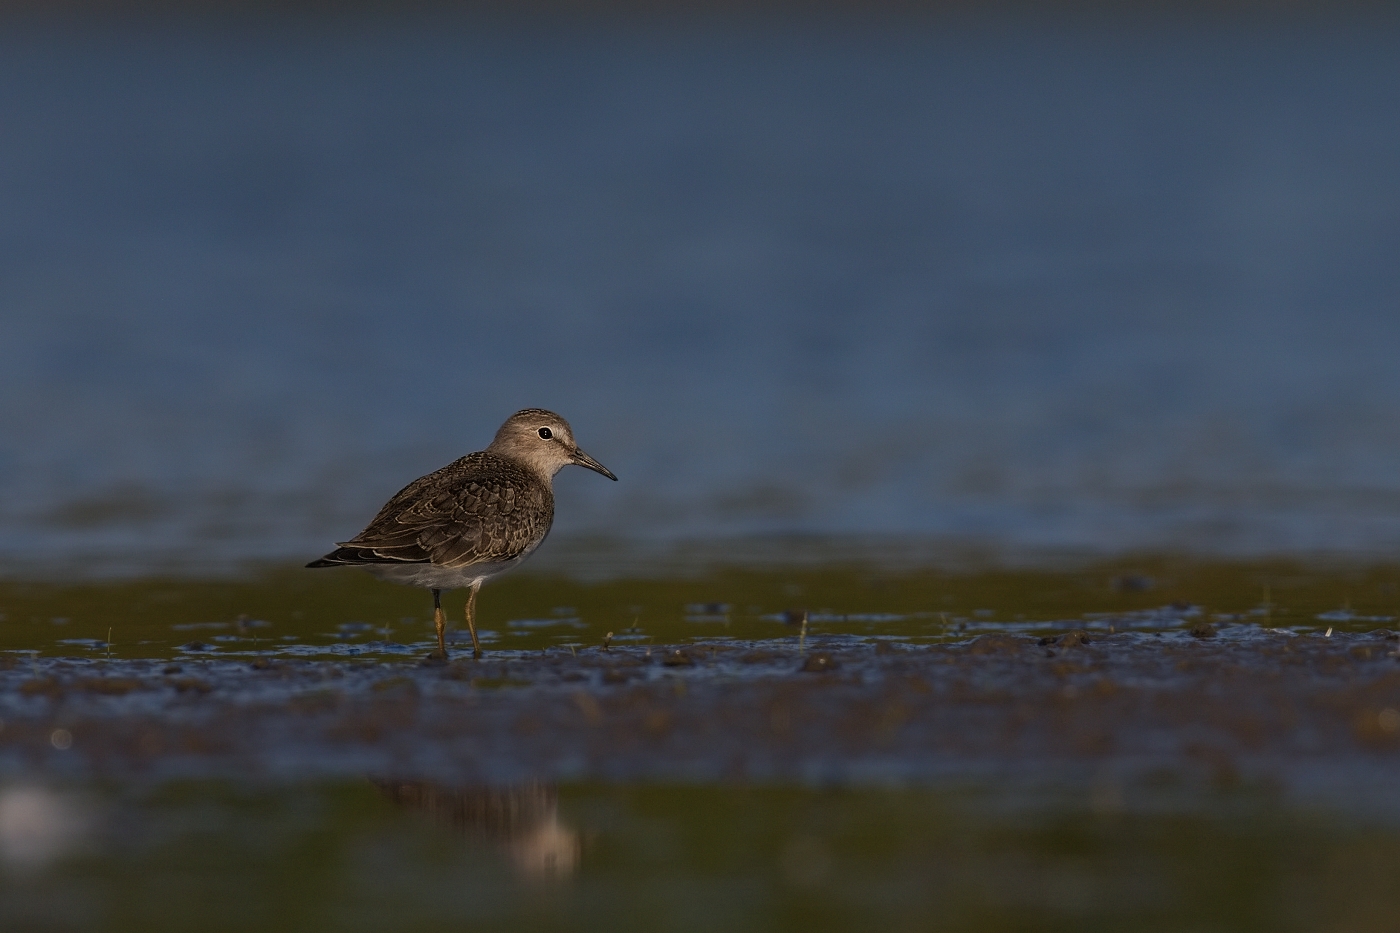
(1308, 715)
(1234, 778)
(1147, 747)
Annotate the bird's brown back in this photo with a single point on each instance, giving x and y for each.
(480, 508)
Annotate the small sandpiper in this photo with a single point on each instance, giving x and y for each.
(472, 520)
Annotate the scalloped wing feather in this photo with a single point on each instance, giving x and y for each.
(481, 508)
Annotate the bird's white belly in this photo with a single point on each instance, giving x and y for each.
(433, 576)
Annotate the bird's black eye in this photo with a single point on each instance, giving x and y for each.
(546, 433)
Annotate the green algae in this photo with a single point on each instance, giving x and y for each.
(335, 613)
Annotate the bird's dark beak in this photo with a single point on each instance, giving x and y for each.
(583, 460)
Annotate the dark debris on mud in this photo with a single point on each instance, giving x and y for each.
(1242, 704)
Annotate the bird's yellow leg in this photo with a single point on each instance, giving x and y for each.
(440, 621)
(471, 620)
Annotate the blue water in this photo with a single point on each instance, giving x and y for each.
(1032, 282)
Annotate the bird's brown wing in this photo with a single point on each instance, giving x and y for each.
(481, 508)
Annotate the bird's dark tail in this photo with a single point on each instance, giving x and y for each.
(340, 557)
(357, 557)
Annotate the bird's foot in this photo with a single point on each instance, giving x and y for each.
(435, 657)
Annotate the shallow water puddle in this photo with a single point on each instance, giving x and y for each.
(386, 855)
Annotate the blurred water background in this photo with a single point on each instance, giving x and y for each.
(1090, 280)
(915, 284)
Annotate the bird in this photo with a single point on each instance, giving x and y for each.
(472, 520)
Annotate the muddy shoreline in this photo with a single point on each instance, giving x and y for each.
(1292, 714)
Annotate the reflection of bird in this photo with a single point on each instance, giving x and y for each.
(523, 819)
(472, 520)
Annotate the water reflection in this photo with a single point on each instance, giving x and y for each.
(520, 819)
(38, 826)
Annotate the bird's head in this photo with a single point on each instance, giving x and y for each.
(544, 442)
